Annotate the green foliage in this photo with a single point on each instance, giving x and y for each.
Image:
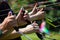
(22, 2)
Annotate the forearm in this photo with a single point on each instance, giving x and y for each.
(28, 29)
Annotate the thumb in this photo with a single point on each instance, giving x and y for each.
(41, 9)
(35, 23)
(20, 13)
(26, 12)
(9, 13)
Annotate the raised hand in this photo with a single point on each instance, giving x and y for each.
(38, 15)
(9, 21)
(20, 17)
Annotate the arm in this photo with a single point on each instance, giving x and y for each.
(29, 28)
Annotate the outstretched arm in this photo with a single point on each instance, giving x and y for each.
(29, 28)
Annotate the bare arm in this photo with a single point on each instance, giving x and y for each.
(28, 29)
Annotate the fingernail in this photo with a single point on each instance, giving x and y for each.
(10, 12)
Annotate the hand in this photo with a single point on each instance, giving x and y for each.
(26, 16)
(35, 25)
(30, 28)
(9, 21)
(35, 14)
(20, 18)
(38, 15)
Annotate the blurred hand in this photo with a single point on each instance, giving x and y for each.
(30, 28)
(9, 21)
(35, 25)
(38, 15)
(20, 18)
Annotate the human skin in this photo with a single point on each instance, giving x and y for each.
(38, 15)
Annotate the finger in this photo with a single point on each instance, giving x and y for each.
(26, 16)
(34, 10)
(9, 13)
(19, 14)
(34, 22)
(41, 9)
(34, 7)
(26, 12)
(12, 17)
(21, 10)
